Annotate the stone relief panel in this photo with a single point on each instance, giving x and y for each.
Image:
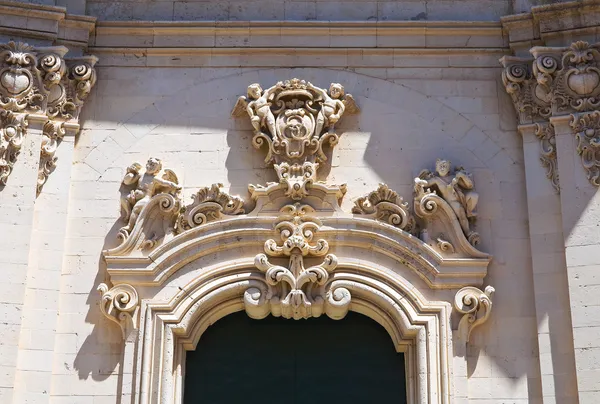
(558, 82)
(40, 81)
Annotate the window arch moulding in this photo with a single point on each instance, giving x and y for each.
(295, 253)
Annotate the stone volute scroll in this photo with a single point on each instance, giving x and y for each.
(386, 205)
(120, 304)
(559, 82)
(40, 85)
(475, 307)
(296, 291)
(295, 120)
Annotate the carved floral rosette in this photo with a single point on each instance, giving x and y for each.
(475, 307)
(386, 205)
(296, 291)
(294, 120)
(209, 204)
(119, 304)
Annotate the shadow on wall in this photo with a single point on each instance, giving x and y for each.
(399, 132)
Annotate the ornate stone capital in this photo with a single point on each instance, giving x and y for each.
(296, 291)
(558, 81)
(40, 81)
(475, 307)
(119, 304)
(295, 121)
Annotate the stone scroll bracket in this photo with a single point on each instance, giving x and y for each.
(559, 82)
(40, 81)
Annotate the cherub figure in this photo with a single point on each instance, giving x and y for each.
(258, 106)
(457, 191)
(332, 107)
(153, 182)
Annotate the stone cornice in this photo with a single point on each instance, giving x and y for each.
(552, 24)
(49, 23)
(396, 34)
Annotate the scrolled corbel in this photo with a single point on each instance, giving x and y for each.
(475, 306)
(119, 304)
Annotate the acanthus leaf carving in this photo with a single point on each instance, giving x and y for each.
(295, 120)
(297, 291)
(451, 189)
(475, 307)
(119, 304)
(52, 134)
(209, 204)
(586, 128)
(13, 128)
(386, 205)
(545, 133)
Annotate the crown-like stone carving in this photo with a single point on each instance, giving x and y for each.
(119, 304)
(295, 120)
(475, 306)
(296, 292)
(450, 192)
(209, 204)
(40, 81)
(386, 205)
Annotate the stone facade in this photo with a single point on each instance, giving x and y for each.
(432, 165)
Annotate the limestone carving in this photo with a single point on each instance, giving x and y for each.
(386, 205)
(296, 291)
(455, 189)
(210, 204)
(586, 128)
(40, 81)
(52, 135)
(545, 132)
(445, 245)
(475, 306)
(119, 304)
(142, 193)
(13, 129)
(295, 120)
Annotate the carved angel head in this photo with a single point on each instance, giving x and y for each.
(254, 91)
(336, 90)
(442, 167)
(153, 166)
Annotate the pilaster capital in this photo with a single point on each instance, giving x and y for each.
(558, 91)
(40, 85)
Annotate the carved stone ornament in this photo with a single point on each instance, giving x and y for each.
(150, 204)
(119, 304)
(558, 82)
(40, 81)
(386, 205)
(448, 191)
(209, 204)
(13, 129)
(295, 120)
(475, 306)
(296, 291)
(586, 128)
